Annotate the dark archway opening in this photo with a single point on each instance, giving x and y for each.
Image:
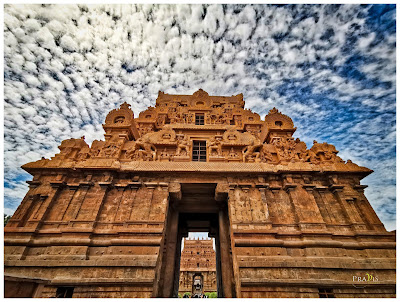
(196, 210)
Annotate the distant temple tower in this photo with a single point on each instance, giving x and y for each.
(198, 260)
(107, 220)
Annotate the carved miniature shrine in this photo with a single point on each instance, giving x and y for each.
(198, 262)
(107, 220)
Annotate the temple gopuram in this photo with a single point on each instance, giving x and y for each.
(107, 220)
(197, 269)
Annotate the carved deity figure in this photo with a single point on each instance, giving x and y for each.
(232, 154)
(94, 153)
(144, 129)
(83, 155)
(143, 149)
(160, 121)
(238, 120)
(190, 119)
(266, 155)
(164, 155)
(285, 147)
(251, 151)
(309, 156)
(183, 147)
(111, 149)
(215, 146)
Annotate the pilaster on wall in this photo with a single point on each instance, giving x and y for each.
(346, 201)
(247, 206)
(366, 209)
(304, 204)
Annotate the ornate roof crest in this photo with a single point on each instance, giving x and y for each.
(200, 93)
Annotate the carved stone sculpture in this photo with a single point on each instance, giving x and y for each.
(183, 147)
(215, 147)
(251, 152)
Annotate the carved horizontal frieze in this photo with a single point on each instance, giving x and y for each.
(82, 242)
(313, 243)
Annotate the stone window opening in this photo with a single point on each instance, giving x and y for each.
(199, 151)
(199, 119)
(64, 292)
(278, 123)
(119, 120)
(326, 293)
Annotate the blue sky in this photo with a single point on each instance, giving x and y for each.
(331, 68)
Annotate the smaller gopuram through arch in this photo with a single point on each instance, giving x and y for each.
(198, 258)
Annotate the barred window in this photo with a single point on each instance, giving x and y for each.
(199, 151)
(326, 293)
(199, 119)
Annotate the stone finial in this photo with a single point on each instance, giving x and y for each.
(125, 105)
(200, 93)
(273, 110)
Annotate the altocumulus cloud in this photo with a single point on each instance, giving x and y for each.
(330, 67)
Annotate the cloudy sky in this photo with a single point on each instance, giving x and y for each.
(330, 68)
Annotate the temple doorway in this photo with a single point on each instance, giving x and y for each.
(196, 210)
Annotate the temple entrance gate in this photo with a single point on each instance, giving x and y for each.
(196, 210)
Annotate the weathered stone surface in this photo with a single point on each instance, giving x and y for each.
(106, 220)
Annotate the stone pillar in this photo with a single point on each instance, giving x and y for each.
(367, 210)
(280, 208)
(171, 246)
(305, 206)
(105, 185)
(331, 211)
(166, 278)
(346, 202)
(160, 203)
(41, 203)
(135, 186)
(225, 256)
(150, 187)
(74, 206)
(262, 188)
(21, 215)
(225, 245)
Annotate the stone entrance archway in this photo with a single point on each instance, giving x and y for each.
(196, 208)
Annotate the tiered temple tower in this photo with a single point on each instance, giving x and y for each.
(107, 220)
(198, 259)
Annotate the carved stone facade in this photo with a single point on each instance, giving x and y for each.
(107, 220)
(198, 262)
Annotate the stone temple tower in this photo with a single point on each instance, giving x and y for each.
(198, 259)
(107, 220)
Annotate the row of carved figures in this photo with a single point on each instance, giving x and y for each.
(280, 149)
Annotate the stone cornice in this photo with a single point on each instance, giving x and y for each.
(208, 167)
